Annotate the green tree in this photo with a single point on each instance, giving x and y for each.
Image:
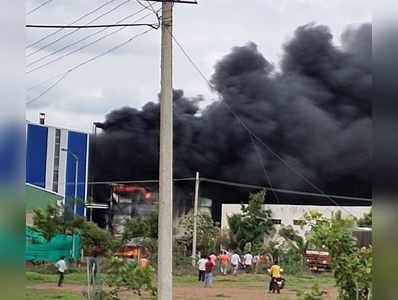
(53, 220)
(293, 238)
(145, 226)
(295, 247)
(94, 237)
(366, 220)
(122, 275)
(208, 232)
(143, 231)
(252, 223)
(352, 266)
(49, 221)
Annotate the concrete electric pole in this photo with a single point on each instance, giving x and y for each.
(165, 239)
(195, 219)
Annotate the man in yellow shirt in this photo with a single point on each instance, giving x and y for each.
(275, 272)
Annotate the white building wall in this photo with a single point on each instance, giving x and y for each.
(287, 214)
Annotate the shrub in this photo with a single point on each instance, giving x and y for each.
(123, 275)
(352, 267)
(314, 294)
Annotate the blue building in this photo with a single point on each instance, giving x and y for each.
(51, 155)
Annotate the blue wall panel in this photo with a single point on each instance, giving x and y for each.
(36, 155)
(77, 143)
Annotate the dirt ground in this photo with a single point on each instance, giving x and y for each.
(200, 293)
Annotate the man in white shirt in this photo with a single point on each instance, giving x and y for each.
(248, 261)
(202, 268)
(61, 268)
(235, 261)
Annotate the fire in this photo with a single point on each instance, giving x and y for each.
(129, 189)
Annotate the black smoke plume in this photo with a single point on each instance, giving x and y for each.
(314, 112)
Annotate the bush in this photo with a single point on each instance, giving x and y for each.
(314, 294)
(123, 275)
(352, 267)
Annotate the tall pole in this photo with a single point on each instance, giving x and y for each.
(74, 202)
(76, 179)
(165, 240)
(195, 219)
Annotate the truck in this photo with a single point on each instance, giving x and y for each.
(318, 261)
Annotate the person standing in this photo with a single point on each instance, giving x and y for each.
(256, 262)
(209, 272)
(61, 268)
(213, 257)
(235, 261)
(202, 268)
(224, 262)
(248, 261)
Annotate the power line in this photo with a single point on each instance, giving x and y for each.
(249, 131)
(44, 82)
(176, 1)
(88, 61)
(267, 177)
(80, 48)
(77, 29)
(286, 191)
(90, 26)
(73, 51)
(48, 89)
(73, 22)
(87, 37)
(110, 182)
(228, 183)
(38, 7)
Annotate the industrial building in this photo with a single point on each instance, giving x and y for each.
(293, 215)
(56, 166)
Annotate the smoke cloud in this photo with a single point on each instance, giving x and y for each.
(314, 112)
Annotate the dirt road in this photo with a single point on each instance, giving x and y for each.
(199, 293)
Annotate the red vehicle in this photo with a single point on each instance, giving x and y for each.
(317, 261)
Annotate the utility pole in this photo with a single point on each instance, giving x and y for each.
(76, 158)
(165, 239)
(195, 219)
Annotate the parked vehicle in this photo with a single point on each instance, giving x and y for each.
(317, 261)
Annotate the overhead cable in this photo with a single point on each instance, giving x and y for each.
(38, 7)
(77, 29)
(73, 22)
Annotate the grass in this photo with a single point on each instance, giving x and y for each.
(295, 283)
(44, 295)
(72, 278)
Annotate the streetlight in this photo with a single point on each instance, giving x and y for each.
(74, 201)
(76, 177)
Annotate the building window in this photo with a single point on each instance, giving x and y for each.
(57, 150)
(299, 222)
(276, 221)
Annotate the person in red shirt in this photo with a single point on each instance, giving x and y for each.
(209, 272)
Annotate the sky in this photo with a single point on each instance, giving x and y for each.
(130, 75)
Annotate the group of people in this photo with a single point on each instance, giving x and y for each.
(229, 261)
(232, 261)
